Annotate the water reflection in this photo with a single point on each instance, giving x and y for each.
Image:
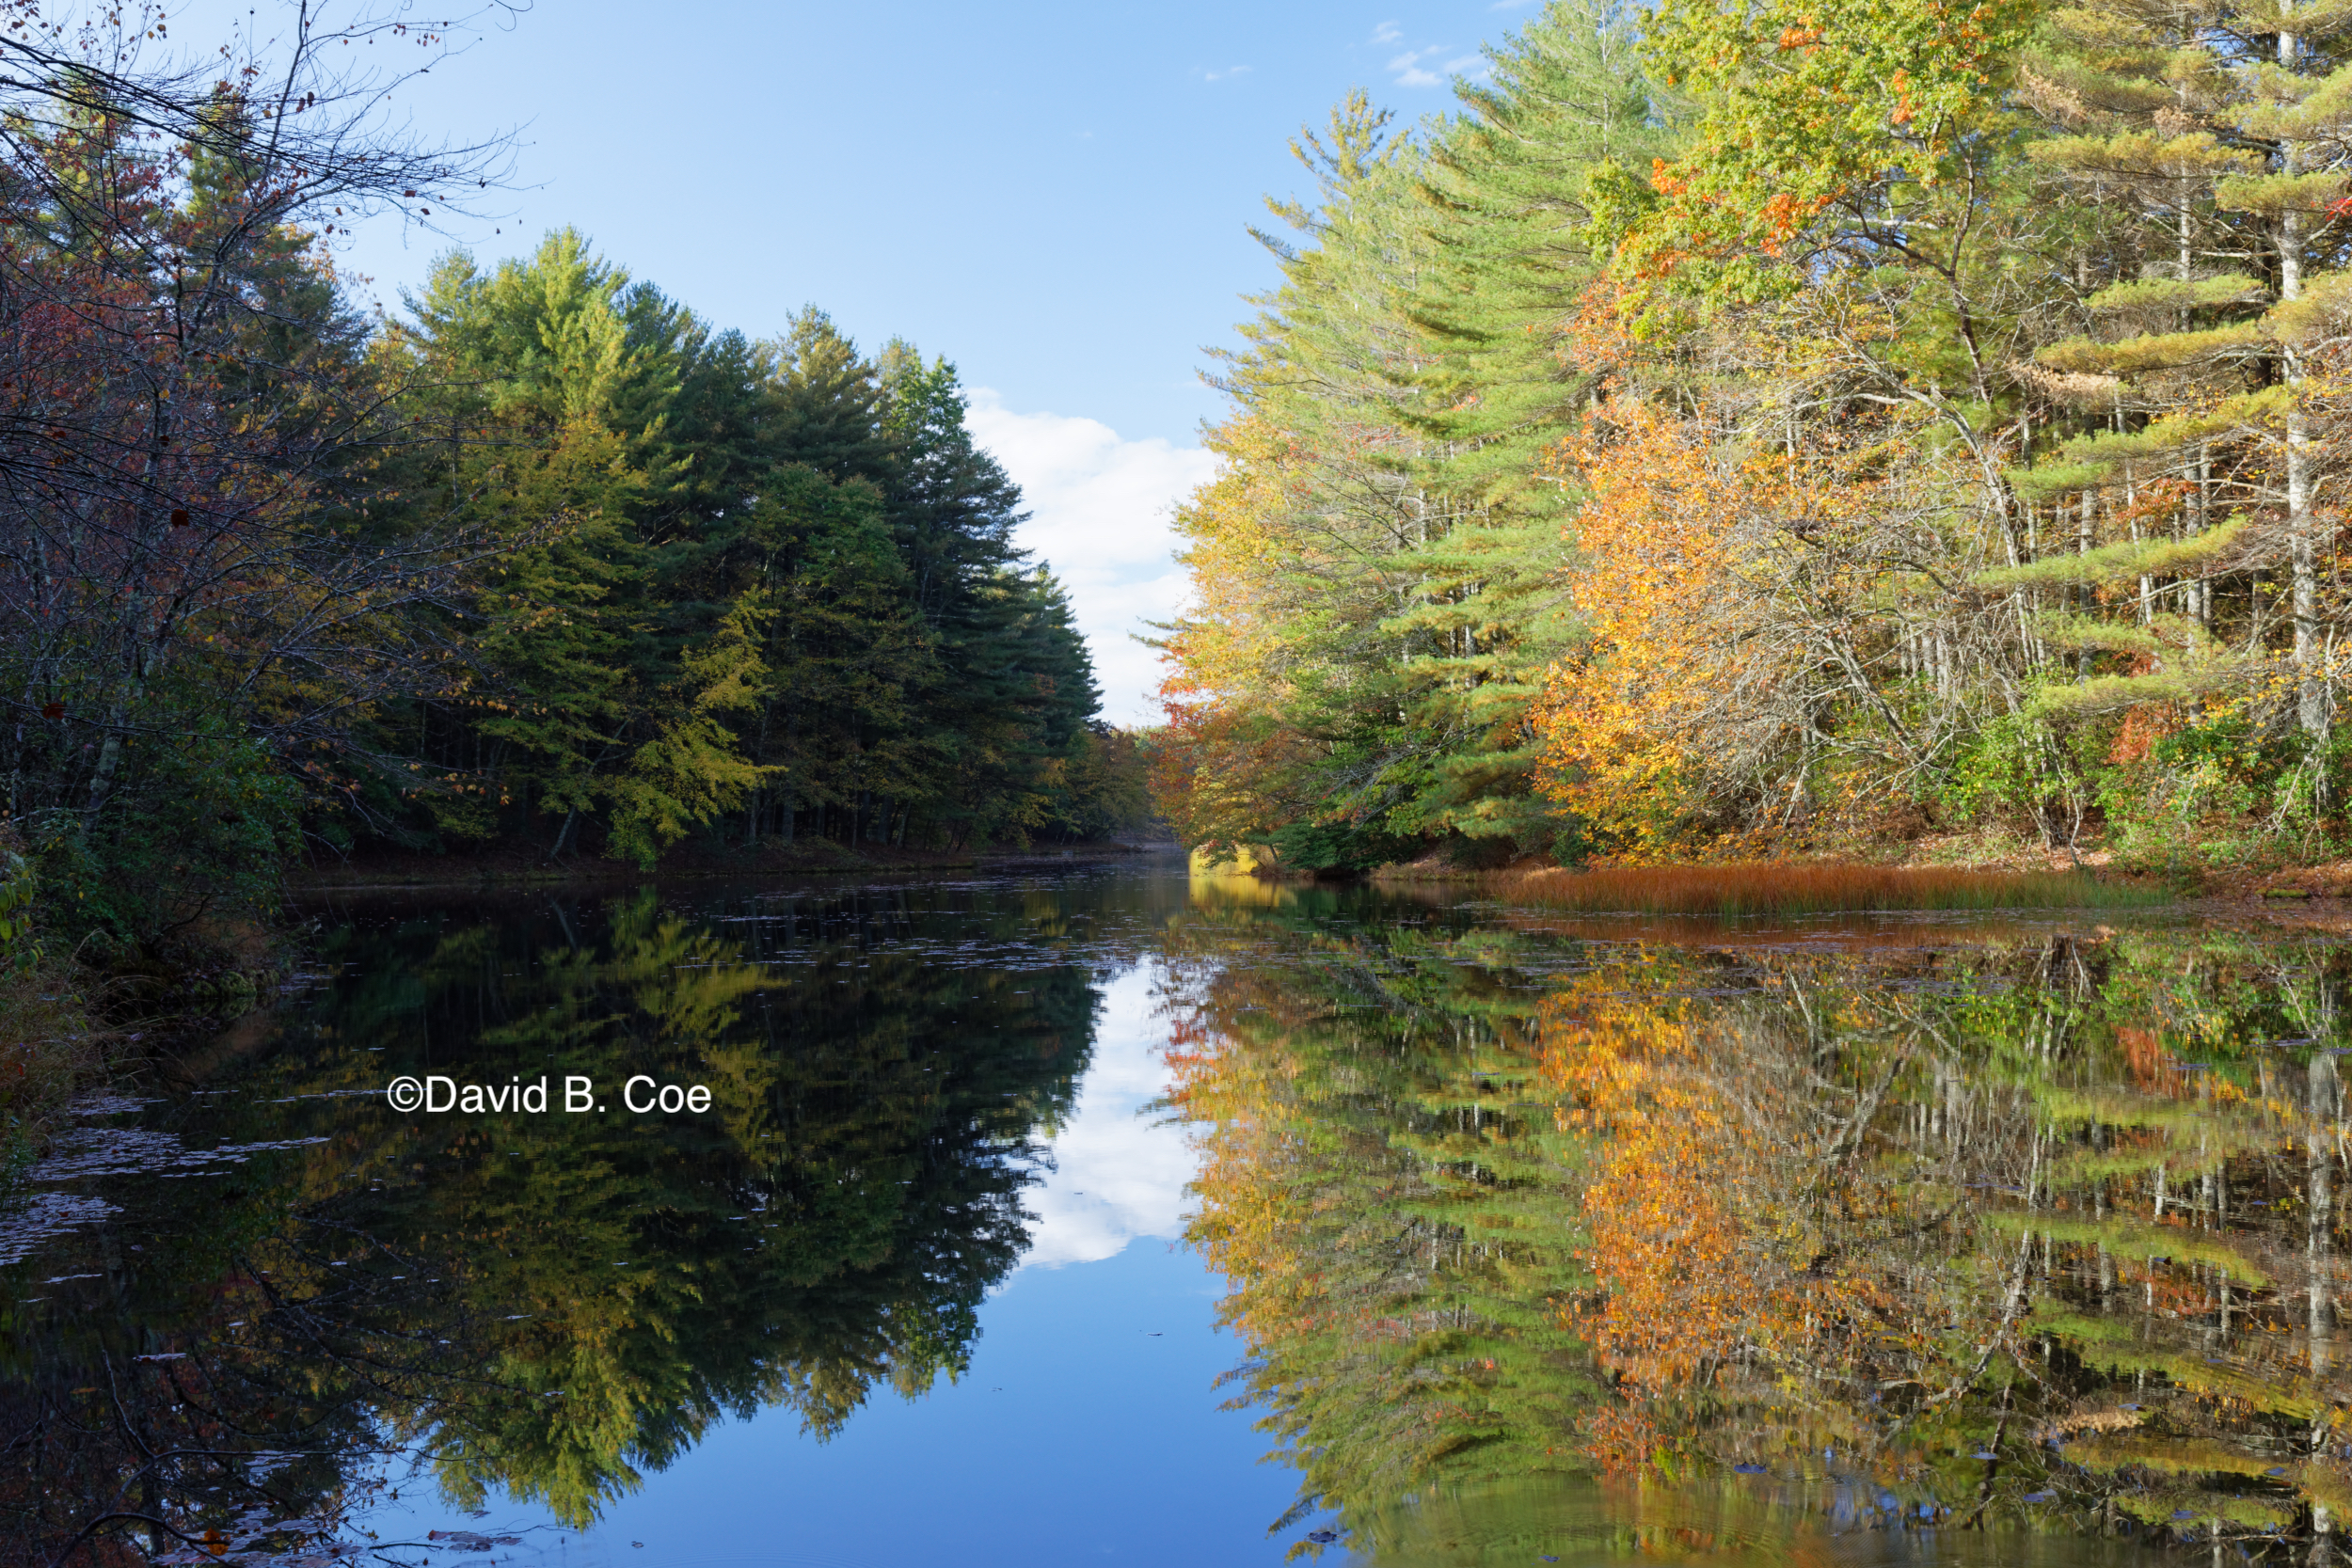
(1920, 1238)
(1920, 1241)
(1121, 1169)
(541, 1307)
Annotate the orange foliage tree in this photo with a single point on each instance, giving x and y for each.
(1744, 609)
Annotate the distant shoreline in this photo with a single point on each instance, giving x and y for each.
(818, 858)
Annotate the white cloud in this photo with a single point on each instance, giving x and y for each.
(1099, 517)
(1120, 1171)
(1227, 72)
(1429, 66)
(1409, 69)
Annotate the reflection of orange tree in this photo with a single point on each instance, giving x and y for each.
(1666, 1237)
(2042, 1234)
(1991, 1236)
(1726, 1204)
(1766, 1251)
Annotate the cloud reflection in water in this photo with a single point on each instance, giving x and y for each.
(1119, 1169)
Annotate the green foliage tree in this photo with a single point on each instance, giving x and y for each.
(202, 611)
(1973, 381)
(1385, 539)
(765, 590)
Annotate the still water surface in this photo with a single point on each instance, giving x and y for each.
(1031, 1211)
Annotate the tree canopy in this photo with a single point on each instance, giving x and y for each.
(1793, 427)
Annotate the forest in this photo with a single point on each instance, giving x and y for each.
(541, 564)
(1878, 427)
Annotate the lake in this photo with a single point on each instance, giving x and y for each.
(1019, 1218)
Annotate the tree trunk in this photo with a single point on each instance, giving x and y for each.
(2085, 522)
(2310, 684)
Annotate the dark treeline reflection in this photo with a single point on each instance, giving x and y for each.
(542, 1305)
(1540, 1236)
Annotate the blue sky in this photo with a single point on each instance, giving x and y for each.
(1051, 194)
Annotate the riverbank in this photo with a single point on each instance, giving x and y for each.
(71, 1027)
(1979, 859)
(1816, 887)
(507, 868)
(2315, 898)
(49, 1053)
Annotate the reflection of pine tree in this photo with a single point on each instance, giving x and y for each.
(1394, 1209)
(832, 1225)
(1922, 1211)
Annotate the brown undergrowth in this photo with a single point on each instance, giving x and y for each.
(1811, 887)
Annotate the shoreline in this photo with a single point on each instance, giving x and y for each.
(482, 873)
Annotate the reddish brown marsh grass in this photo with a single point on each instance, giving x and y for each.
(1813, 887)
